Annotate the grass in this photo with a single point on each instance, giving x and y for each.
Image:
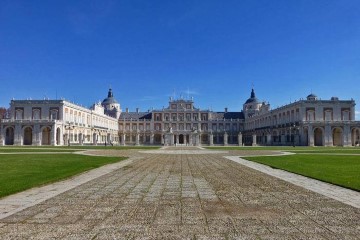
(298, 149)
(285, 148)
(13, 149)
(336, 169)
(24, 171)
(79, 147)
(34, 150)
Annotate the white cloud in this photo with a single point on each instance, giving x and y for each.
(357, 115)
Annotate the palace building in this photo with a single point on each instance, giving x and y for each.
(60, 122)
(309, 122)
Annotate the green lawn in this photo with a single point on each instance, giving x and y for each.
(75, 147)
(24, 171)
(336, 169)
(287, 148)
(34, 150)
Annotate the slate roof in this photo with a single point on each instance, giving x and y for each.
(135, 115)
(227, 115)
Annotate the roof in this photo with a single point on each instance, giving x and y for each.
(110, 99)
(135, 115)
(312, 96)
(252, 98)
(227, 115)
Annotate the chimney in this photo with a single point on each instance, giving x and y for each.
(127, 110)
(137, 110)
(226, 109)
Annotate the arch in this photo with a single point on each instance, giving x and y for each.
(318, 137)
(28, 135)
(355, 136)
(204, 139)
(181, 139)
(58, 134)
(337, 135)
(9, 136)
(157, 138)
(80, 138)
(94, 138)
(45, 136)
(275, 136)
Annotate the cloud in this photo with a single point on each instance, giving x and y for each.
(357, 115)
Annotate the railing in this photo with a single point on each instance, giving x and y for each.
(29, 121)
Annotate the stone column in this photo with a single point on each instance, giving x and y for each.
(137, 141)
(282, 139)
(2, 136)
(211, 140)
(177, 139)
(328, 136)
(36, 135)
(347, 136)
(196, 139)
(311, 136)
(53, 136)
(268, 140)
(151, 138)
(190, 139)
(18, 135)
(254, 139)
(225, 139)
(240, 139)
(123, 139)
(171, 136)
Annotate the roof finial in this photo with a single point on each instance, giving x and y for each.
(252, 93)
(110, 94)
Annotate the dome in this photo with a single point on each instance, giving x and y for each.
(311, 97)
(252, 98)
(110, 99)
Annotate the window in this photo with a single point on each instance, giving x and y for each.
(54, 114)
(19, 114)
(328, 115)
(36, 114)
(345, 115)
(310, 115)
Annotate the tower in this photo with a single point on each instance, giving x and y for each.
(111, 105)
(252, 105)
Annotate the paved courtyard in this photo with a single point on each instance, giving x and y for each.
(165, 195)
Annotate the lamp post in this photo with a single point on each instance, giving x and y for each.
(292, 136)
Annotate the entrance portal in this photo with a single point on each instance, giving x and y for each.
(45, 139)
(181, 139)
(27, 136)
(318, 137)
(9, 137)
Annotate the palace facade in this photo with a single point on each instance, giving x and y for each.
(308, 122)
(60, 122)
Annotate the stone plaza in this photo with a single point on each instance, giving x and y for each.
(183, 193)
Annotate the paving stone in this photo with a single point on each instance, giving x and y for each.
(190, 195)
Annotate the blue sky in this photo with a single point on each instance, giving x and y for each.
(147, 50)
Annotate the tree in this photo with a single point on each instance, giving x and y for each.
(3, 112)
